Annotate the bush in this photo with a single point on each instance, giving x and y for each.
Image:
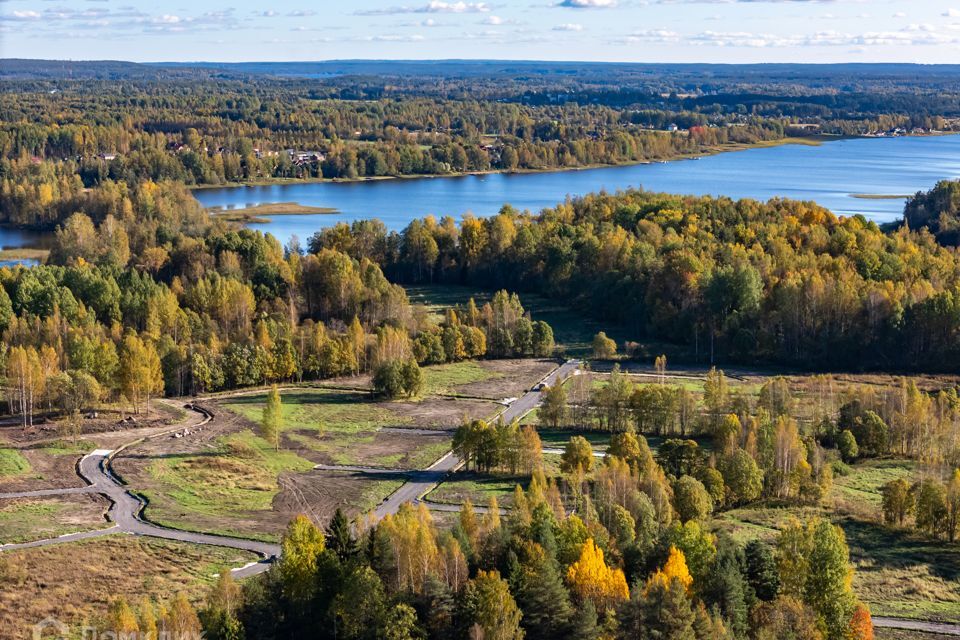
(398, 378)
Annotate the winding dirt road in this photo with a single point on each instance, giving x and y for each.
(126, 510)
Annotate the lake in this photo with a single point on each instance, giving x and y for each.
(829, 174)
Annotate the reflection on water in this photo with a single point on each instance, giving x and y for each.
(830, 174)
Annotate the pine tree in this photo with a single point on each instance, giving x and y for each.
(340, 537)
(584, 624)
(666, 611)
(544, 600)
(726, 587)
(761, 570)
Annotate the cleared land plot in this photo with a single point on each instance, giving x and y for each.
(76, 581)
(27, 519)
(478, 488)
(227, 479)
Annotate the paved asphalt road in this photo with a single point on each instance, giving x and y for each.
(421, 483)
(125, 512)
(126, 508)
(941, 628)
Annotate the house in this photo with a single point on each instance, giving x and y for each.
(305, 157)
(672, 127)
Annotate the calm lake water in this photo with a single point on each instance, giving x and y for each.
(829, 174)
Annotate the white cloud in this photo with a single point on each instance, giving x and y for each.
(952, 13)
(587, 4)
(434, 6)
(912, 35)
(568, 27)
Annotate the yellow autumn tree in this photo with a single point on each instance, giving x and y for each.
(591, 578)
(675, 568)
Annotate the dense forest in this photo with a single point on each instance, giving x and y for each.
(621, 547)
(68, 127)
(144, 294)
(783, 281)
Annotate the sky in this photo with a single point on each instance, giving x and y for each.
(925, 31)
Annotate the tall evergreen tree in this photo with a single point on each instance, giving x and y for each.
(543, 599)
(340, 537)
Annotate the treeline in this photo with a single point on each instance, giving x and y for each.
(543, 572)
(47, 161)
(783, 281)
(147, 295)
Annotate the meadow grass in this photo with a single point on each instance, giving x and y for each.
(241, 476)
(478, 488)
(12, 463)
(444, 378)
(26, 520)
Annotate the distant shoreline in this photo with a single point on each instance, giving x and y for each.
(812, 141)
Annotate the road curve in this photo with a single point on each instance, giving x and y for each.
(421, 483)
(126, 512)
(126, 508)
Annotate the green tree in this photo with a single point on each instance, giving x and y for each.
(847, 445)
(898, 501)
(666, 611)
(577, 454)
(742, 477)
(554, 411)
(953, 505)
(931, 506)
(827, 589)
(542, 597)
(726, 589)
(691, 499)
(340, 538)
(543, 344)
(271, 422)
(302, 545)
(761, 570)
(488, 608)
(583, 623)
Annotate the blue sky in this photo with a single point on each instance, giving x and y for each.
(623, 30)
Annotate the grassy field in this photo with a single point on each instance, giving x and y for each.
(344, 428)
(27, 519)
(40, 582)
(241, 476)
(12, 463)
(478, 488)
(445, 378)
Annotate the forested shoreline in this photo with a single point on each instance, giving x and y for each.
(61, 136)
